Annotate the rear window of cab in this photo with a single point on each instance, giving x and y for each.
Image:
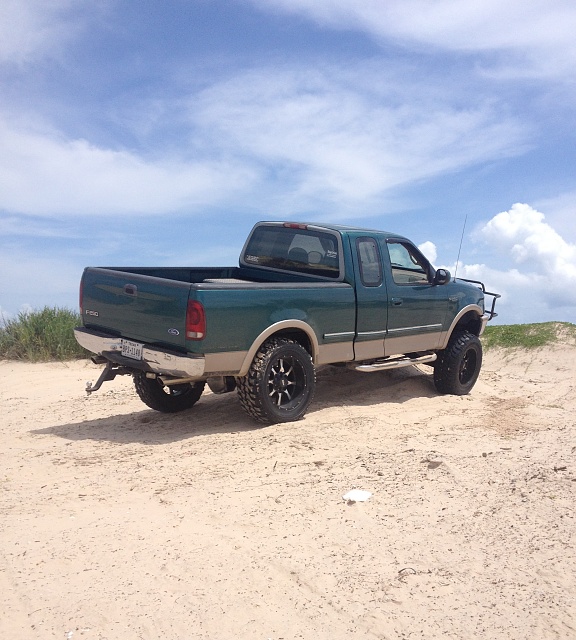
(295, 248)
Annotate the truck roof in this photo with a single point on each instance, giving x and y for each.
(337, 227)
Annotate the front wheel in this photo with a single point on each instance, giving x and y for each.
(458, 366)
(167, 399)
(280, 383)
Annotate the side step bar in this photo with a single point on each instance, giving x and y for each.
(393, 362)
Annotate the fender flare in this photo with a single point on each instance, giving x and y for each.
(445, 337)
(283, 325)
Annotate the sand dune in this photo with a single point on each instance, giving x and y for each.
(119, 522)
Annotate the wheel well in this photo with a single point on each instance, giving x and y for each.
(298, 336)
(471, 322)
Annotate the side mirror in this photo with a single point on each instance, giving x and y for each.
(442, 276)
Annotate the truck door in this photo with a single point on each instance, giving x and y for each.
(416, 308)
(371, 308)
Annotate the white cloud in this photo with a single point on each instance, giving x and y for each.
(561, 213)
(331, 137)
(523, 232)
(540, 281)
(316, 140)
(32, 28)
(45, 174)
(429, 250)
(536, 35)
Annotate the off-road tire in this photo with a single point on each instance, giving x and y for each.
(166, 399)
(458, 366)
(280, 383)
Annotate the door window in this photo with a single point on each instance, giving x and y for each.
(369, 260)
(409, 266)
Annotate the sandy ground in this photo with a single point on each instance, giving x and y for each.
(118, 522)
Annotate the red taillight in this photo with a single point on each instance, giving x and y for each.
(195, 321)
(81, 297)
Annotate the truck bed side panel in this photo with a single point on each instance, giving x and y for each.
(237, 316)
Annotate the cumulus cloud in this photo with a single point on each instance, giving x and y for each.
(540, 281)
(530, 240)
(536, 35)
(429, 250)
(561, 213)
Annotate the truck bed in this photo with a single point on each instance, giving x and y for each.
(149, 304)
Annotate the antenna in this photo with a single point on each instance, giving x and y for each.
(460, 247)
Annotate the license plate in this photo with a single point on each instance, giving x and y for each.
(132, 349)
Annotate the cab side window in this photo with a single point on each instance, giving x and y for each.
(369, 260)
(408, 265)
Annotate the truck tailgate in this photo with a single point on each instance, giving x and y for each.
(143, 308)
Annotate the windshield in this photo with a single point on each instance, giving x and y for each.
(308, 251)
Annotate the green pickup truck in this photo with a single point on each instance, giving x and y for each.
(303, 296)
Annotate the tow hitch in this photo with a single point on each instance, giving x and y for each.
(109, 372)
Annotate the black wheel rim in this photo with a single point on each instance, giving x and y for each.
(286, 383)
(468, 367)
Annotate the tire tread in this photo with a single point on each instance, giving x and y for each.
(248, 386)
(446, 368)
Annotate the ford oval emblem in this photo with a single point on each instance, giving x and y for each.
(174, 332)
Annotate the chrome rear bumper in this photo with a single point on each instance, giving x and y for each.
(153, 359)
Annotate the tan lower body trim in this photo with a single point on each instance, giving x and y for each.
(336, 352)
(230, 363)
(369, 349)
(227, 363)
(410, 344)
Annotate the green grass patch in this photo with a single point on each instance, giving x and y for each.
(40, 336)
(529, 336)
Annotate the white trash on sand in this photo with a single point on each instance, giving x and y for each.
(357, 495)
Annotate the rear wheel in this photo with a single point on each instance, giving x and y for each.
(280, 383)
(168, 399)
(458, 366)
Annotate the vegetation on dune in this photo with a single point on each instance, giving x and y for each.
(529, 336)
(40, 336)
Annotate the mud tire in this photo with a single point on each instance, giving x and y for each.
(167, 399)
(280, 383)
(458, 366)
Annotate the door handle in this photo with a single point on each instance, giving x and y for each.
(397, 301)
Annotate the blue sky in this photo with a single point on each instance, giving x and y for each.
(158, 133)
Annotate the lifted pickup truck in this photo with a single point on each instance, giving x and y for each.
(303, 295)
